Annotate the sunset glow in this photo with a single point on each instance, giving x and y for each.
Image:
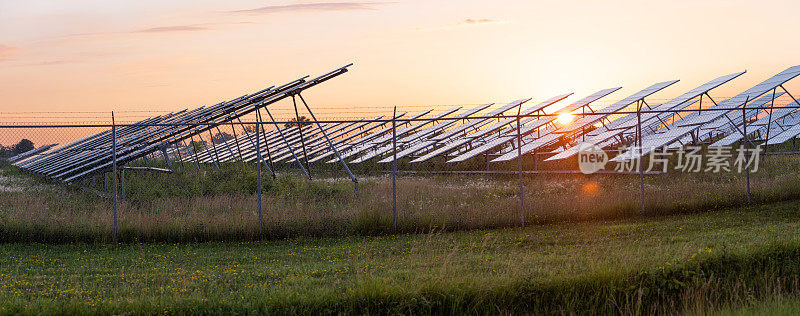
(564, 118)
(86, 55)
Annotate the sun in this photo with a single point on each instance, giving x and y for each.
(564, 118)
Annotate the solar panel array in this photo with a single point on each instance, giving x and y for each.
(498, 133)
(93, 154)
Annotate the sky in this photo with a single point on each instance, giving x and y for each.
(140, 58)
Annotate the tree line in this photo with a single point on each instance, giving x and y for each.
(23, 146)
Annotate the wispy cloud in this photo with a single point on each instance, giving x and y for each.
(320, 6)
(464, 24)
(52, 62)
(176, 28)
(481, 21)
(6, 51)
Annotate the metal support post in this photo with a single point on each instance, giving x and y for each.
(114, 170)
(519, 171)
(744, 132)
(122, 183)
(394, 166)
(164, 154)
(258, 176)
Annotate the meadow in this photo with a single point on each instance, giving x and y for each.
(190, 243)
(741, 259)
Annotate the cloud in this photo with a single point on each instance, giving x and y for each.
(52, 62)
(466, 23)
(177, 28)
(6, 51)
(480, 21)
(320, 6)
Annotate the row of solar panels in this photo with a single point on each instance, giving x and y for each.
(94, 153)
(458, 134)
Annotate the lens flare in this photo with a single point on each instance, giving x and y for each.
(564, 118)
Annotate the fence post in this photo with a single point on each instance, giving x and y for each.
(122, 184)
(258, 175)
(394, 166)
(639, 164)
(114, 164)
(744, 132)
(519, 171)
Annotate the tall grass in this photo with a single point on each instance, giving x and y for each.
(210, 204)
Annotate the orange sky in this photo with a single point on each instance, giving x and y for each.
(99, 56)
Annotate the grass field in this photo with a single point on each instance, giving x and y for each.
(221, 205)
(720, 260)
(781, 306)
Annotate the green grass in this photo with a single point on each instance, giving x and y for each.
(698, 262)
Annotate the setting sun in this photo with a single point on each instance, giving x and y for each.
(564, 118)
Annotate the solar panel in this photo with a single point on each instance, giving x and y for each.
(476, 123)
(372, 140)
(761, 124)
(345, 143)
(589, 120)
(322, 144)
(544, 120)
(752, 109)
(655, 141)
(784, 136)
(481, 149)
(418, 140)
(575, 128)
(138, 141)
(501, 126)
(400, 133)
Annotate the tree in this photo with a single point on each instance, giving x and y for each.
(250, 128)
(197, 146)
(293, 122)
(23, 146)
(220, 138)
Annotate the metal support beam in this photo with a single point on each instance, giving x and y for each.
(335, 151)
(280, 132)
(203, 142)
(269, 166)
(193, 151)
(227, 146)
(300, 130)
